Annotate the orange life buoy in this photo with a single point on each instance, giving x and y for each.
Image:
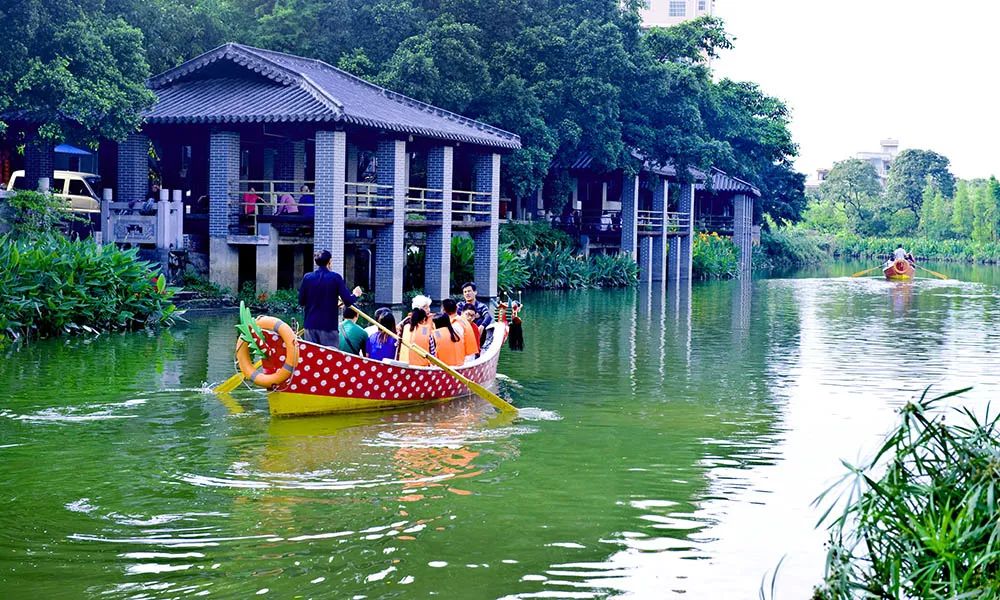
(257, 375)
(900, 265)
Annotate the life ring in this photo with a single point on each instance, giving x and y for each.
(257, 375)
(900, 265)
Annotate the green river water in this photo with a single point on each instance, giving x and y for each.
(671, 446)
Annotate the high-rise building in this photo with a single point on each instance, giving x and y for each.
(664, 13)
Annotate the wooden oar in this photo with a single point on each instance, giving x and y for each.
(934, 273)
(860, 273)
(480, 391)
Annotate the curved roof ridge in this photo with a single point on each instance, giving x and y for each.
(317, 91)
(268, 68)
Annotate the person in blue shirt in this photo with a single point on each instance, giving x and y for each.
(381, 345)
(318, 295)
(483, 316)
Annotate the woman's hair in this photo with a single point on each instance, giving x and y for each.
(443, 320)
(386, 319)
(417, 316)
(421, 301)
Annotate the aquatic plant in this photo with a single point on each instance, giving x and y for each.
(714, 257)
(51, 286)
(920, 520)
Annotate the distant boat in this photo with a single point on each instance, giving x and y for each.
(899, 270)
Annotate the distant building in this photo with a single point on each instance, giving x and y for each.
(664, 13)
(882, 160)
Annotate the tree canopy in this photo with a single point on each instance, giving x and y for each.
(569, 78)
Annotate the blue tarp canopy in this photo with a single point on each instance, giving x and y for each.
(67, 149)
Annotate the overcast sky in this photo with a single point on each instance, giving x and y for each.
(856, 71)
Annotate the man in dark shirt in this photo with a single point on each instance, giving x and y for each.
(483, 316)
(318, 294)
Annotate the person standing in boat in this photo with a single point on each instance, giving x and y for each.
(483, 316)
(318, 295)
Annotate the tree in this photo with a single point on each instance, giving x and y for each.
(72, 71)
(908, 175)
(853, 184)
(961, 215)
(935, 213)
(986, 211)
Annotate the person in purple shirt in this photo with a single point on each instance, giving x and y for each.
(318, 295)
(381, 345)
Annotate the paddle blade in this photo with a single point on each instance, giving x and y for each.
(230, 384)
(934, 273)
(860, 273)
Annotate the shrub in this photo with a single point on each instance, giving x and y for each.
(194, 282)
(512, 274)
(714, 257)
(35, 215)
(784, 247)
(612, 270)
(536, 235)
(51, 286)
(920, 519)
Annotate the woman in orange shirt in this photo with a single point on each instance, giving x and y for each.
(450, 348)
(421, 336)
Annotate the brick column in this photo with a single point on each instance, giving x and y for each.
(390, 255)
(133, 168)
(267, 263)
(681, 246)
(630, 214)
(487, 240)
(437, 258)
(299, 161)
(331, 167)
(284, 165)
(39, 161)
(742, 219)
(224, 168)
(658, 256)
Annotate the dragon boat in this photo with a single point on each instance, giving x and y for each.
(304, 378)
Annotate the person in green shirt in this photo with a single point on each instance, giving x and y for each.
(352, 336)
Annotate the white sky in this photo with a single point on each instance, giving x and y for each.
(856, 71)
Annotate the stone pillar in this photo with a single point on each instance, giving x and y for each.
(267, 263)
(437, 258)
(328, 229)
(658, 255)
(224, 170)
(133, 168)
(742, 222)
(645, 258)
(630, 214)
(487, 239)
(39, 162)
(299, 262)
(390, 255)
(681, 246)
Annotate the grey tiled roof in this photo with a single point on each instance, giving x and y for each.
(288, 88)
(724, 182)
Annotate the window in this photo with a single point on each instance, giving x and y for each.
(702, 4)
(78, 188)
(678, 8)
(58, 185)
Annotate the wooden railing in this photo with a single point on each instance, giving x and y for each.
(370, 199)
(471, 206)
(419, 204)
(717, 223)
(251, 199)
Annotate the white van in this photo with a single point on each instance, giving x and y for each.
(79, 189)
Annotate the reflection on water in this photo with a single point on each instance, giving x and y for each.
(671, 446)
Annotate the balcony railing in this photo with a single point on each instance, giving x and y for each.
(716, 223)
(467, 205)
(268, 201)
(368, 200)
(421, 203)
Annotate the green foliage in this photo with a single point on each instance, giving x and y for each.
(908, 176)
(853, 187)
(250, 332)
(935, 213)
(512, 274)
(50, 286)
(986, 212)
(34, 214)
(786, 247)
(192, 281)
(920, 519)
(846, 244)
(73, 70)
(714, 257)
(559, 268)
(536, 235)
(463, 262)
